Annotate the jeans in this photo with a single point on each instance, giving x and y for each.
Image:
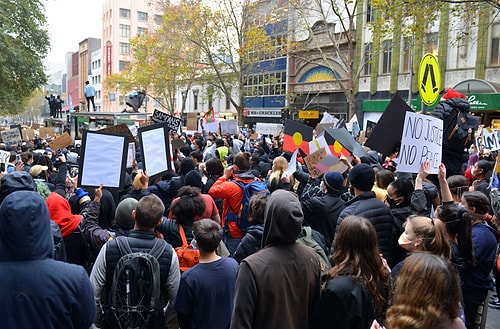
(231, 243)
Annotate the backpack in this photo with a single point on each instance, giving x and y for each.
(135, 294)
(307, 240)
(188, 256)
(250, 189)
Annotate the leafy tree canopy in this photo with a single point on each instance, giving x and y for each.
(24, 42)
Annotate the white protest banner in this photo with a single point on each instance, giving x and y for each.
(229, 127)
(422, 140)
(490, 140)
(317, 143)
(328, 118)
(11, 136)
(130, 155)
(209, 127)
(172, 122)
(155, 149)
(267, 128)
(102, 160)
(292, 165)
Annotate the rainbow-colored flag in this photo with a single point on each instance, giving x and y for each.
(210, 115)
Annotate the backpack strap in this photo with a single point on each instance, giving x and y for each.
(183, 236)
(158, 248)
(123, 245)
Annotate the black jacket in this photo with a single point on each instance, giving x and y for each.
(321, 214)
(367, 205)
(250, 243)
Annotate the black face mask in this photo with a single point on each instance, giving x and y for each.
(391, 202)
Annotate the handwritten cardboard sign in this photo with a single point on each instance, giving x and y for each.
(11, 136)
(312, 160)
(172, 122)
(28, 134)
(488, 141)
(61, 142)
(228, 127)
(422, 140)
(121, 129)
(267, 128)
(192, 121)
(46, 132)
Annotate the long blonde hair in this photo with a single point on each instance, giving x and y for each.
(280, 165)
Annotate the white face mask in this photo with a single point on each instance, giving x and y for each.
(209, 143)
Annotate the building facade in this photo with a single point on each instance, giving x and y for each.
(123, 20)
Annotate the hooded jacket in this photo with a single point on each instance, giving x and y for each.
(277, 286)
(36, 290)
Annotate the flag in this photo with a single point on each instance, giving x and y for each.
(296, 135)
(210, 115)
(386, 136)
(318, 143)
(343, 142)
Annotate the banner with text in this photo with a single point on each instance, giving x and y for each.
(172, 122)
(422, 140)
(268, 128)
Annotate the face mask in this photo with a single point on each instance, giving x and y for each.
(192, 146)
(391, 202)
(405, 243)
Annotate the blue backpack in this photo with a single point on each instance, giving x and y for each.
(241, 216)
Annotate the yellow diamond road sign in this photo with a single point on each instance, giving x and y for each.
(429, 79)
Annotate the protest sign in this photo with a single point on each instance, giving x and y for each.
(272, 129)
(155, 149)
(121, 129)
(312, 160)
(386, 136)
(229, 127)
(292, 165)
(61, 142)
(11, 136)
(489, 140)
(422, 140)
(178, 143)
(46, 132)
(328, 118)
(172, 122)
(192, 121)
(103, 159)
(28, 134)
(130, 155)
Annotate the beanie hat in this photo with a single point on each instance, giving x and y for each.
(123, 214)
(187, 164)
(333, 180)
(451, 93)
(362, 177)
(193, 178)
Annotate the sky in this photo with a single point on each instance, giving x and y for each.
(69, 22)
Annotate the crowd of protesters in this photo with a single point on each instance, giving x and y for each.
(404, 252)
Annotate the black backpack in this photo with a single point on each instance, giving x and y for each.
(135, 294)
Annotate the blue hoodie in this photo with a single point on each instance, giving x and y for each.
(38, 291)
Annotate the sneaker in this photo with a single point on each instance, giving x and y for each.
(494, 304)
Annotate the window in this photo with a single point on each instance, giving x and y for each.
(369, 11)
(125, 30)
(142, 16)
(431, 43)
(386, 56)
(266, 84)
(141, 31)
(122, 65)
(495, 45)
(367, 70)
(158, 19)
(195, 99)
(406, 55)
(125, 13)
(124, 48)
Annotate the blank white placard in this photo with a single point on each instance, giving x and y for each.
(154, 150)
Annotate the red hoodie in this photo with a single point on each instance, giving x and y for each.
(60, 212)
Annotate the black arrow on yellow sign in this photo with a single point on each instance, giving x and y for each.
(429, 70)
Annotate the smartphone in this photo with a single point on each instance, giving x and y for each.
(18, 157)
(2, 167)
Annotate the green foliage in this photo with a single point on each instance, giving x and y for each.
(24, 42)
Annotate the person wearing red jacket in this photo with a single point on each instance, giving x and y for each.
(226, 188)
